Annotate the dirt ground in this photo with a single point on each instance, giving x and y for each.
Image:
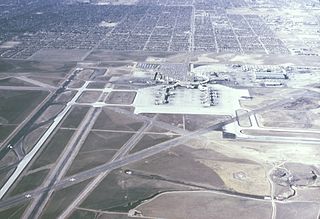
(204, 205)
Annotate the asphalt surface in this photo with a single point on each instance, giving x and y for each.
(28, 157)
(63, 164)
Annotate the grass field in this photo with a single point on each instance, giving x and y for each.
(97, 85)
(119, 97)
(13, 82)
(98, 148)
(75, 116)
(53, 149)
(89, 97)
(61, 199)
(102, 140)
(15, 106)
(203, 205)
(5, 131)
(43, 67)
(29, 182)
(31, 138)
(110, 120)
(89, 159)
(54, 81)
(80, 214)
(182, 164)
(8, 159)
(149, 140)
(4, 175)
(14, 212)
(121, 192)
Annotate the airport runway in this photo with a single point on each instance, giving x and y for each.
(64, 162)
(28, 157)
(94, 172)
(124, 150)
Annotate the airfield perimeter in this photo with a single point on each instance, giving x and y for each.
(160, 109)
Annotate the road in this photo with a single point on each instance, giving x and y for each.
(35, 82)
(19, 88)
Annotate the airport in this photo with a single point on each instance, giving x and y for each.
(159, 109)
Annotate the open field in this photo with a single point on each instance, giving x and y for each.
(181, 164)
(43, 67)
(65, 97)
(53, 149)
(96, 85)
(289, 119)
(149, 140)
(15, 106)
(86, 160)
(110, 120)
(204, 205)
(82, 214)
(59, 55)
(127, 56)
(50, 113)
(265, 152)
(125, 98)
(296, 134)
(6, 130)
(14, 82)
(61, 199)
(76, 84)
(14, 212)
(89, 97)
(9, 159)
(172, 119)
(29, 182)
(4, 175)
(74, 118)
(100, 140)
(98, 148)
(32, 137)
(91, 214)
(120, 192)
(297, 210)
(51, 80)
(195, 122)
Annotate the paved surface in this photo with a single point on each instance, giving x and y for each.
(26, 160)
(141, 154)
(64, 162)
(129, 145)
